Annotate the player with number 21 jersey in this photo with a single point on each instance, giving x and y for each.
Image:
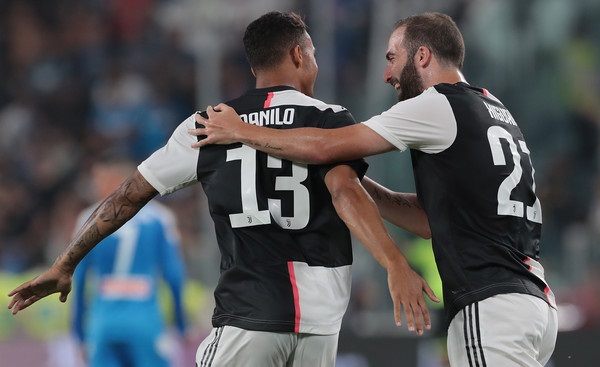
(484, 204)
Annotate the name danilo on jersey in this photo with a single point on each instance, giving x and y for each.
(273, 116)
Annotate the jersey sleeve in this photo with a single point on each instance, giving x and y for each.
(424, 123)
(173, 166)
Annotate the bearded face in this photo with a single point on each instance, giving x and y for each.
(411, 83)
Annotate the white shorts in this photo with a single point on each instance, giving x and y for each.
(503, 331)
(229, 346)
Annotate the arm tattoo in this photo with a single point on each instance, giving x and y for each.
(255, 143)
(398, 200)
(272, 147)
(267, 146)
(110, 215)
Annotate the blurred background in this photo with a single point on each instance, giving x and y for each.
(82, 76)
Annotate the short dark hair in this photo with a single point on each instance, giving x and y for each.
(436, 31)
(268, 38)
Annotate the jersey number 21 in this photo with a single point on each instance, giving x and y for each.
(507, 206)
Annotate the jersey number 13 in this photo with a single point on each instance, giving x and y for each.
(251, 215)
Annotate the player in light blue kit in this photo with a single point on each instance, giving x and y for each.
(123, 324)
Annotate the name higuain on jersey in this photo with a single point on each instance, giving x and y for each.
(500, 114)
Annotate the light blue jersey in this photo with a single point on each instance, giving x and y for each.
(116, 308)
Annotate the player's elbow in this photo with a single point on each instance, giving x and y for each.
(344, 195)
(419, 225)
(318, 156)
(424, 231)
(344, 189)
(321, 153)
(321, 150)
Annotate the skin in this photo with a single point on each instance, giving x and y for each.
(350, 198)
(409, 74)
(319, 146)
(399, 208)
(110, 215)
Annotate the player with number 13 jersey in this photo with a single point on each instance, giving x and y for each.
(280, 271)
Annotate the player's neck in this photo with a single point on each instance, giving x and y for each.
(266, 79)
(449, 76)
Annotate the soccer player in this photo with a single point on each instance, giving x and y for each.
(282, 227)
(474, 178)
(121, 323)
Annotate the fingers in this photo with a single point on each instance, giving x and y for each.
(214, 129)
(200, 131)
(417, 318)
(13, 301)
(410, 320)
(18, 303)
(429, 292)
(416, 314)
(63, 296)
(201, 120)
(397, 314)
(17, 298)
(425, 312)
(221, 107)
(212, 111)
(20, 288)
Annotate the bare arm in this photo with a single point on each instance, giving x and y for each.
(399, 208)
(360, 214)
(306, 145)
(111, 214)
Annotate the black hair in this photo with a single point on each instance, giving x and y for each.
(268, 38)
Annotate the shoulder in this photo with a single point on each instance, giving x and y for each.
(293, 97)
(425, 122)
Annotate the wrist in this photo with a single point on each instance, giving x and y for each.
(243, 133)
(65, 264)
(397, 261)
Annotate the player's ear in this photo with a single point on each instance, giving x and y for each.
(253, 72)
(296, 54)
(423, 56)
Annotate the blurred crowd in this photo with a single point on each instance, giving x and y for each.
(79, 78)
(83, 76)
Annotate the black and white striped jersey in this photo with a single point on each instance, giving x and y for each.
(285, 253)
(475, 180)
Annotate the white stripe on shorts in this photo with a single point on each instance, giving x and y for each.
(211, 350)
(472, 336)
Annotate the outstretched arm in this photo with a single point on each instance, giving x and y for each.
(399, 208)
(360, 214)
(306, 145)
(111, 214)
